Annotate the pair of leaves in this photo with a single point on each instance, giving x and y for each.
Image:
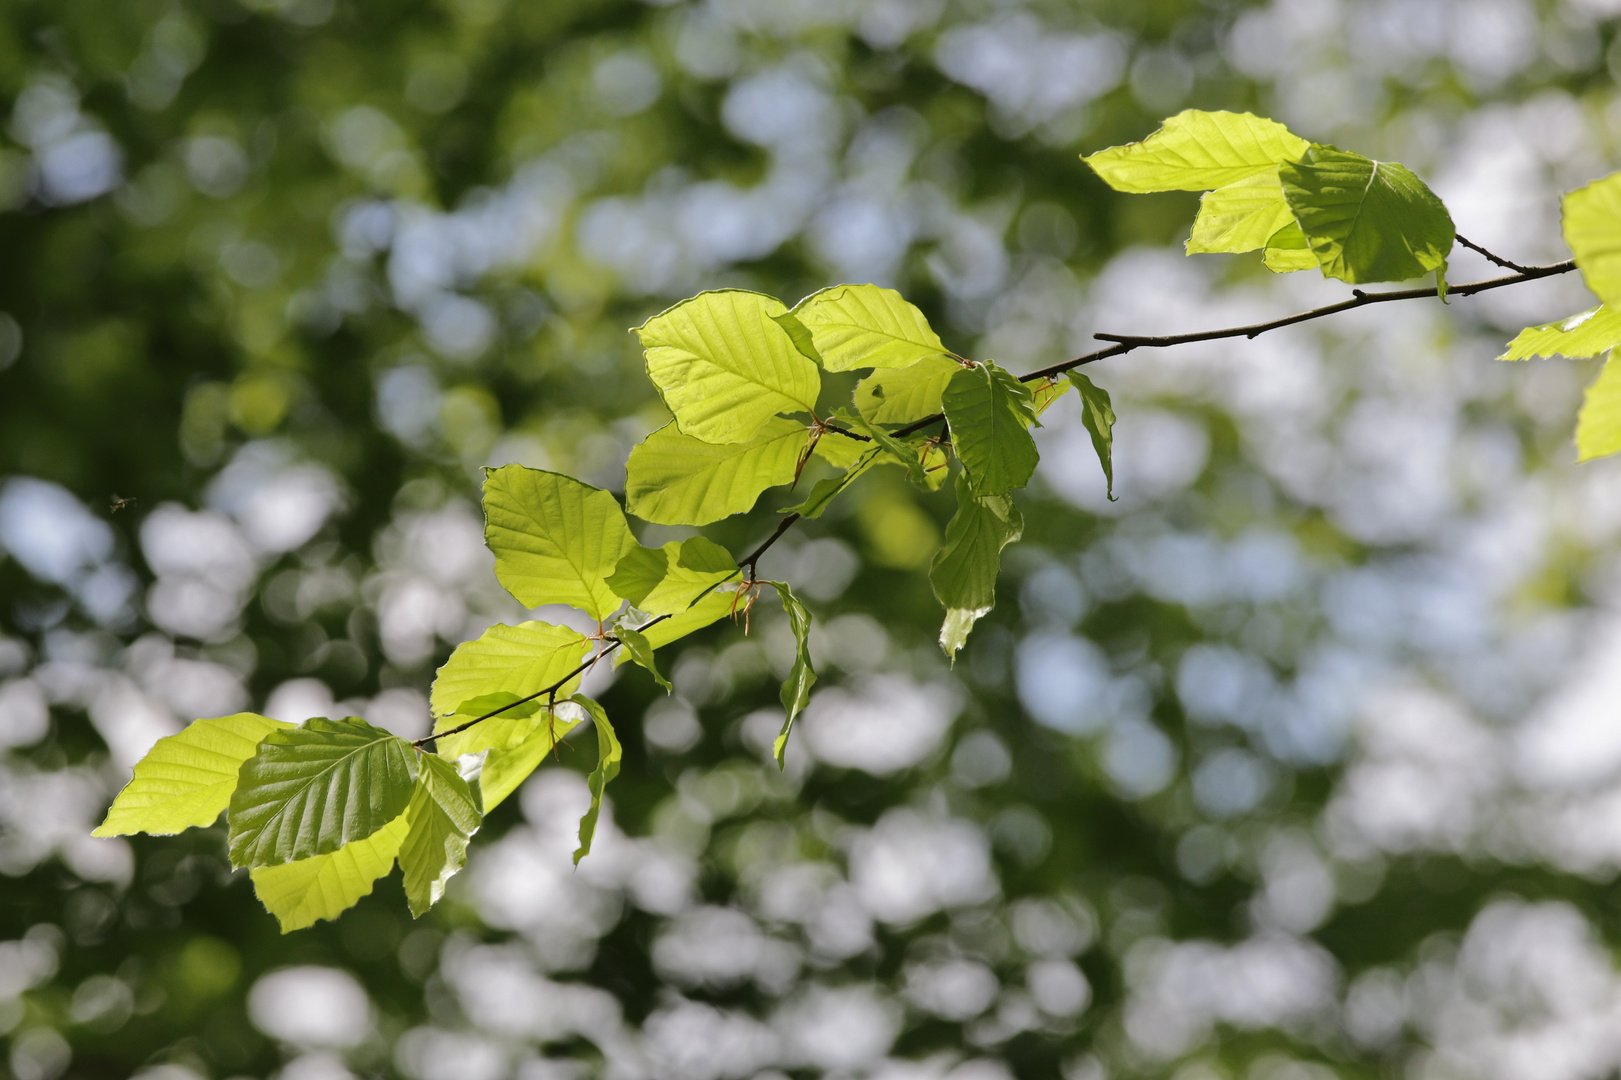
(1592, 227)
(318, 812)
(1304, 205)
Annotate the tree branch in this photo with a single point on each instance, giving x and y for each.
(1121, 344)
(1504, 263)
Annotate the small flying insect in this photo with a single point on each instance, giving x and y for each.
(120, 503)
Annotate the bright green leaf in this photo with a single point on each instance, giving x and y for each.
(300, 893)
(555, 539)
(1288, 251)
(1198, 151)
(641, 651)
(312, 789)
(608, 755)
(797, 687)
(1045, 393)
(674, 479)
(444, 812)
(523, 748)
(1594, 331)
(906, 395)
(907, 455)
(663, 581)
(520, 660)
(823, 493)
(840, 451)
(867, 326)
(725, 366)
(964, 571)
(990, 413)
(1097, 413)
(1598, 424)
(502, 703)
(1366, 220)
(187, 779)
(1592, 222)
(1242, 216)
(712, 608)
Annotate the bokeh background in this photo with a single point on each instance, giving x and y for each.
(1300, 761)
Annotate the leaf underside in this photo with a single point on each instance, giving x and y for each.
(1595, 331)
(964, 571)
(1366, 220)
(301, 893)
(444, 812)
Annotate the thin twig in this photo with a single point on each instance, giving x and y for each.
(1121, 344)
(1498, 259)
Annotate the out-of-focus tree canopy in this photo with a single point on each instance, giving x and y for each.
(1300, 760)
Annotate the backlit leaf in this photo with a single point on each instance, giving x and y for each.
(906, 395)
(665, 580)
(1242, 216)
(300, 893)
(674, 479)
(608, 756)
(523, 747)
(187, 779)
(866, 326)
(990, 413)
(725, 366)
(711, 609)
(555, 539)
(796, 688)
(824, 491)
(310, 790)
(964, 571)
(640, 649)
(1598, 424)
(1594, 331)
(1592, 223)
(1288, 251)
(1366, 220)
(1097, 413)
(444, 812)
(1043, 394)
(1198, 151)
(519, 660)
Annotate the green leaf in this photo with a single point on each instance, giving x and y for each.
(523, 748)
(800, 335)
(1197, 151)
(711, 609)
(300, 893)
(908, 455)
(641, 651)
(312, 789)
(663, 581)
(608, 755)
(512, 706)
(445, 811)
(1598, 424)
(1590, 333)
(725, 366)
(1288, 251)
(1592, 223)
(906, 395)
(1097, 413)
(1366, 220)
(990, 413)
(797, 687)
(1242, 216)
(519, 660)
(964, 571)
(866, 326)
(674, 479)
(1049, 391)
(823, 493)
(187, 779)
(840, 451)
(555, 539)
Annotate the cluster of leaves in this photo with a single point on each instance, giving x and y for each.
(318, 812)
(1305, 205)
